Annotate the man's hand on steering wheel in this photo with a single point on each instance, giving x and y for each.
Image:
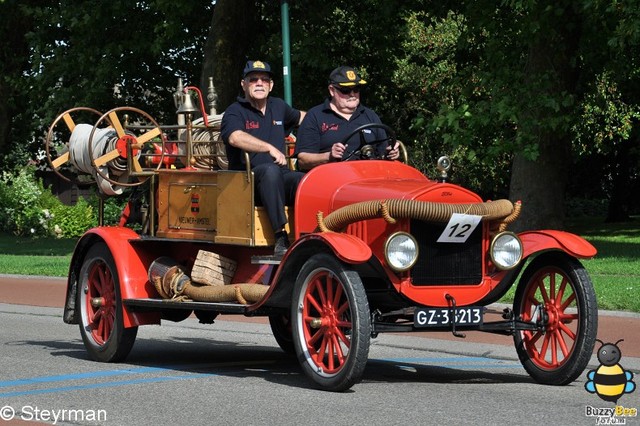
(368, 149)
(337, 151)
(393, 152)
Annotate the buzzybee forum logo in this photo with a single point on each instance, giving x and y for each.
(610, 381)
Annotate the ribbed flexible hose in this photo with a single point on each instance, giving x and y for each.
(176, 285)
(420, 210)
(242, 293)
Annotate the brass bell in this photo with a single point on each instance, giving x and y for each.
(187, 106)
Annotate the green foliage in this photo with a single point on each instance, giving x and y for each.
(607, 118)
(28, 209)
(23, 209)
(72, 221)
(481, 82)
(59, 55)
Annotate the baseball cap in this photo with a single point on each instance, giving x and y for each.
(345, 76)
(256, 66)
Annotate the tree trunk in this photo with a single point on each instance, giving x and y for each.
(541, 185)
(233, 28)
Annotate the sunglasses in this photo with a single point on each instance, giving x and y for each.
(255, 79)
(347, 90)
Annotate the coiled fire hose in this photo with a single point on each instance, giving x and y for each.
(208, 150)
(426, 211)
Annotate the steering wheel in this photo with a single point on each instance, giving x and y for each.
(367, 150)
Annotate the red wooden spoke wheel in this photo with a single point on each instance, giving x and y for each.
(100, 308)
(556, 292)
(331, 325)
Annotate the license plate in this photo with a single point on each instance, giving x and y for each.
(438, 317)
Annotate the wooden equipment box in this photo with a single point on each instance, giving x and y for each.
(187, 204)
(214, 206)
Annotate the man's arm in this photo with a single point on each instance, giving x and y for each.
(308, 142)
(308, 160)
(246, 142)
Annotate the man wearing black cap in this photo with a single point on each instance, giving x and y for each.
(320, 138)
(258, 124)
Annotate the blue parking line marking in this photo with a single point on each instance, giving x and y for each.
(79, 376)
(101, 385)
(193, 368)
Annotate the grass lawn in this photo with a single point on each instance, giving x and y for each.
(615, 271)
(41, 256)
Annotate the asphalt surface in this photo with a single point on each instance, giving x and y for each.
(234, 373)
(612, 325)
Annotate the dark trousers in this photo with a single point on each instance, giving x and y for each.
(275, 188)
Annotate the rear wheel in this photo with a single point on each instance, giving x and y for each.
(101, 318)
(556, 291)
(281, 329)
(331, 325)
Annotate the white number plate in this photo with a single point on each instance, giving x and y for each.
(437, 317)
(459, 228)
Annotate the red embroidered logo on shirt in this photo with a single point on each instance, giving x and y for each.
(326, 127)
(248, 125)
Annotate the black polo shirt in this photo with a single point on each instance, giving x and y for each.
(322, 127)
(272, 127)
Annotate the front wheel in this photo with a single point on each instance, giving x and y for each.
(556, 291)
(331, 325)
(101, 318)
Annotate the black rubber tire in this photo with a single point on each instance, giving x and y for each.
(330, 317)
(571, 309)
(281, 329)
(102, 327)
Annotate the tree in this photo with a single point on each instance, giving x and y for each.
(524, 72)
(14, 54)
(95, 54)
(233, 35)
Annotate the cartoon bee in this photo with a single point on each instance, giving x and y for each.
(609, 381)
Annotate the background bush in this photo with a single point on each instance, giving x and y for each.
(72, 221)
(23, 208)
(27, 208)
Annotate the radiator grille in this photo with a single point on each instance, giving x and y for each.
(446, 263)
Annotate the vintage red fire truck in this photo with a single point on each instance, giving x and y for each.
(376, 246)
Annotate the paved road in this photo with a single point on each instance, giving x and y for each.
(233, 372)
(50, 292)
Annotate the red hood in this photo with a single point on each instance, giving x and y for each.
(331, 186)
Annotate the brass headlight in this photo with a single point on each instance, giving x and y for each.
(401, 251)
(506, 250)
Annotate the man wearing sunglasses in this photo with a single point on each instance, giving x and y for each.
(257, 124)
(321, 136)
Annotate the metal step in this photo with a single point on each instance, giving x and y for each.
(149, 304)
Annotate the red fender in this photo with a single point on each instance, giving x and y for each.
(346, 247)
(132, 269)
(536, 241)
